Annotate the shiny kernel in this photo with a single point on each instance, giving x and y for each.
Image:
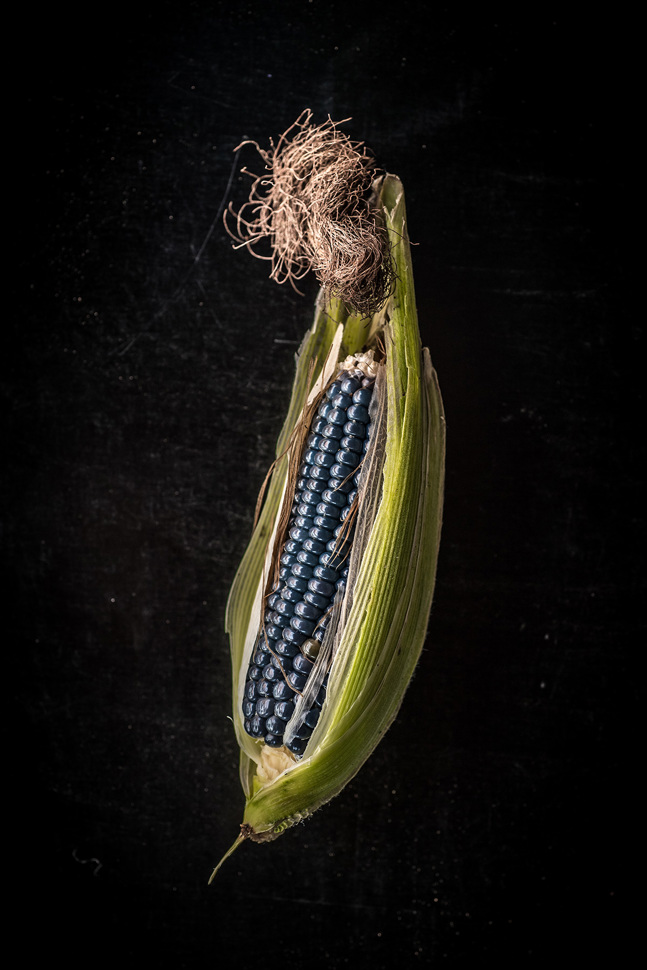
(310, 648)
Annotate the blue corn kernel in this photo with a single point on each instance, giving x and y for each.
(341, 480)
(349, 386)
(355, 428)
(324, 409)
(318, 473)
(289, 595)
(275, 725)
(297, 745)
(305, 513)
(284, 608)
(296, 681)
(307, 611)
(319, 602)
(303, 571)
(308, 558)
(274, 740)
(333, 390)
(312, 545)
(327, 508)
(329, 445)
(300, 585)
(363, 396)
(336, 417)
(351, 443)
(336, 544)
(312, 717)
(332, 431)
(303, 625)
(321, 587)
(317, 486)
(285, 649)
(250, 690)
(271, 673)
(320, 535)
(334, 498)
(284, 710)
(324, 460)
(293, 637)
(280, 621)
(249, 708)
(319, 633)
(263, 688)
(342, 401)
(344, 483)
(282, 692)
(347, 457)
(255, 673)
(257, 726)
(265, 706)
(260, 657)
(327, 573)
(302, 665)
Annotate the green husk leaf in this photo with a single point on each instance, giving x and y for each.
(385, 629)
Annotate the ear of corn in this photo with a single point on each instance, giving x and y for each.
(381, 625)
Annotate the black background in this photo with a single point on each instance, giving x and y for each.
(147, 372)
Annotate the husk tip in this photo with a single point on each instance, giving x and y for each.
(244, 834)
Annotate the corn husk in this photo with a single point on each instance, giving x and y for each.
(382, 624)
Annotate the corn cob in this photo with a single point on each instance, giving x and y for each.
(288, 672)
(315, 689)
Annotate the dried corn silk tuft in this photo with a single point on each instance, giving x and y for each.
(316, 211)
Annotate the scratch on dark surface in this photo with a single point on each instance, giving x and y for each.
(97, 864)
(217, 216)
(196, 259)
(332, 903)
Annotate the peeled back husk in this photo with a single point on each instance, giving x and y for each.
(384, 619)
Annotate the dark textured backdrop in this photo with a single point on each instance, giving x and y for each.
(147, 374)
